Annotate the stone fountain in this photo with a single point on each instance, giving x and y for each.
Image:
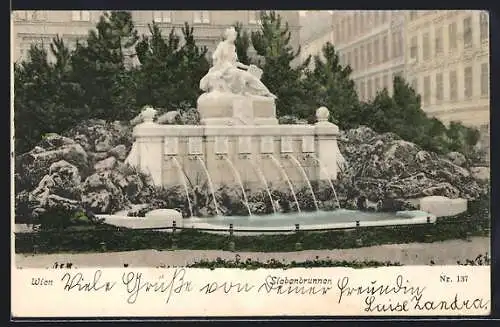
(239, 140)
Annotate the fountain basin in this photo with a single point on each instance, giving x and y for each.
(282, 223)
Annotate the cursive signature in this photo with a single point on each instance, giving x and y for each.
(77, 282)
(175, 284)
(401, 286)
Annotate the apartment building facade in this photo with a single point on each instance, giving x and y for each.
(316, 31)
(447, 55)
(41, 26)
(372, 43)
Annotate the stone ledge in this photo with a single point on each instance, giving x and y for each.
(441, 206)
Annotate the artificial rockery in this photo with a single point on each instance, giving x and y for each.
(82, 172)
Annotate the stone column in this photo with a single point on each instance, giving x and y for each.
(149, 143)
(327, 150)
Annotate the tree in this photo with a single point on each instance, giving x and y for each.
(329, 85)
(45, 97)
(158, 78)
(99, 67)
(242, 43)
(193, 66)
(272, 43)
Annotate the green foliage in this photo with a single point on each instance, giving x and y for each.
(329, 85)
(242, 43)
(272, 43)
(99, 67)
(95, 81)
(402, 114)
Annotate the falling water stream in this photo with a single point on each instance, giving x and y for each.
(264, 181)
(302, 170)
(210, 184)
(238, 177)
(322, 167)
(183, 178)
(283, 172)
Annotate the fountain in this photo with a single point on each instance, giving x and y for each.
(183, 178)
(297, 163)
(264, 181)
(238, 178)
(238, 124)
(210, 184)
(329, 180)
(285, 175)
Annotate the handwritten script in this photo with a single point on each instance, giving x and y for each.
(373, 296)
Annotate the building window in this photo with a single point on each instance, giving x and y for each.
(439, 41)
(344, 30)
(426, 46)
(485, 79)
(356, 23)
(427, 90)
(376, 51)
(439, 87)
(349, 27)
(369, 89)
(452, 35)
(468, 82)
(362, 63)
(453, 85)
(362, 90)
(397, 44)
(385, 82)
(337, 33)
(362, 24)
(81, 15)
(369, 54)
(413, 14)
(162, 16)
(467, 32)
(483, 26)
(356, 59)
(414, 48)
(376, 18)
(31, 15)
(349, 59)
(384, 16)
(385, 48)
(201, 17)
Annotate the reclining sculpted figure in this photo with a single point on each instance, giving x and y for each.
(229, 75)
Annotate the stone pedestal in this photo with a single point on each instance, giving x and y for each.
(327, 151)
(218, 108)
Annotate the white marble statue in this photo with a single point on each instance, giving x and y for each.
(229, 75)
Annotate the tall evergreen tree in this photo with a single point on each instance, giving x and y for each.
(272, 43)
(99, 67)
(158, 78)
(45, 97)
(242, 43)
(193, 66)
(330, 85)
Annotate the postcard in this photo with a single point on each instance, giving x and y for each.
(250, 163)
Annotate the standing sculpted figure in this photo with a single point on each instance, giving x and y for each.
(229, 75)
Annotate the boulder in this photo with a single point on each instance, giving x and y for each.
(171, 117)
(119, 152)
(481, 173)
(457, 158)
(106, 164)
(383, 166)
